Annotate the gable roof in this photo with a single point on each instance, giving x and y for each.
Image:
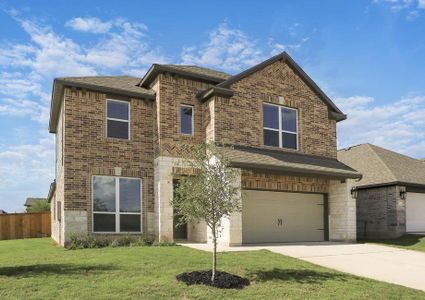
(121, 85)
(289, 162)
(188, 71)
(285, 57)
(383, 166)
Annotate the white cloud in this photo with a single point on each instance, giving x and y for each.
(23, 167)
(93, 25)
(404, 5)
(227, 48)
(233, 50)
(399, 126)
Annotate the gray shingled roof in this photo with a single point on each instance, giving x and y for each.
(249, 157)
(381, 166)
(124, 83)
(200, 70)
(31, 201)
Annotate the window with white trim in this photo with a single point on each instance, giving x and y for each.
(117, 204)
(280, 126)
(118, 119)
(186, 119)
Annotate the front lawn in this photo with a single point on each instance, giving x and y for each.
(409, 241)
(35, 269)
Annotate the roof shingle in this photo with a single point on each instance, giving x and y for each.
(249, 157)
(381, 166)
(123, 83)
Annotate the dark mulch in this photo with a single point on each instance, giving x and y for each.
(223, 280)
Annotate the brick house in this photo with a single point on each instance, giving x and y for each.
(117, 153)
(391, 193)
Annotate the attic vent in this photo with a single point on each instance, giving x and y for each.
(281, 100)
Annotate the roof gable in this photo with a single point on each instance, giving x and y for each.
(284, 56)
(380, 166)
(186, 71)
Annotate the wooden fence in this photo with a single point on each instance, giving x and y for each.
(25, 225)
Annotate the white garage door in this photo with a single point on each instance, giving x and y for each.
(272, 217)
(415, 212)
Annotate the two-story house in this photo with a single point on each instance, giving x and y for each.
(118, 140)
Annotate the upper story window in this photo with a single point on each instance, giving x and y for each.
(118, 119)
(280, 126)
(116, 204)
(186, 119)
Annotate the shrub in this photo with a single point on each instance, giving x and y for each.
(163, 244)
(76, 242)
(89, 241)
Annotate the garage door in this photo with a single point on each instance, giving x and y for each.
(272, 217)
(415, 212)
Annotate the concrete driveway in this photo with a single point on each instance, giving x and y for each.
(393, 265)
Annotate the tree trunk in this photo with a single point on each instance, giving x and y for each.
(214, 262)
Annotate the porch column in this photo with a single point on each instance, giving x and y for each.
(231, 227)
(163, 190)
(342, 211)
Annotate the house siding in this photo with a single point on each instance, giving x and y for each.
(89, 152)
(380, 213)
(239, 119)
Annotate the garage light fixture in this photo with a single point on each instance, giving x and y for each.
(403, 194)
(354, 193)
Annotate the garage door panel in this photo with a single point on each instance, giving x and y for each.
(269, 217)
(415, 212)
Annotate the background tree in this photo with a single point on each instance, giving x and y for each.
(39, 206)
(211, 194)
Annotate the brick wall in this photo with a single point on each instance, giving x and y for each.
(380, 213)
(239, 119)
(89, 152)
(276, 182)
(172, 91)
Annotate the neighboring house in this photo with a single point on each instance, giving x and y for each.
(31, 201)
(3, 212)
(391, 194)
(118, 144)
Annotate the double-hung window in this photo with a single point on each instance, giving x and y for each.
(118, 119)
(280, 126)
(186, 119)
(117, 204)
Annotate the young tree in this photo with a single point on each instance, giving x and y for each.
(209, 195)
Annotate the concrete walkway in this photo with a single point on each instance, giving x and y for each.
(389, 264)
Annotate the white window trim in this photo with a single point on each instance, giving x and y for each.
(117, 207)
(193, 120)
(280, 130)
(119, 120)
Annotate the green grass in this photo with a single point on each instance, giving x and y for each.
(35, 269)
(410, 241)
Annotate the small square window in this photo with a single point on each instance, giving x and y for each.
(186, 119)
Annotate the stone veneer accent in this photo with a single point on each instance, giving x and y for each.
(381, 213)
(342, 211)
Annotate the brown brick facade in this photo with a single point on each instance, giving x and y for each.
(276, 182)
(89, 152)
(239, 119)
(155, 134)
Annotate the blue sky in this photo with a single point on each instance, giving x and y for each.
(368, 56)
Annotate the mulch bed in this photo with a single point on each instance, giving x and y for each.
(223, 280)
